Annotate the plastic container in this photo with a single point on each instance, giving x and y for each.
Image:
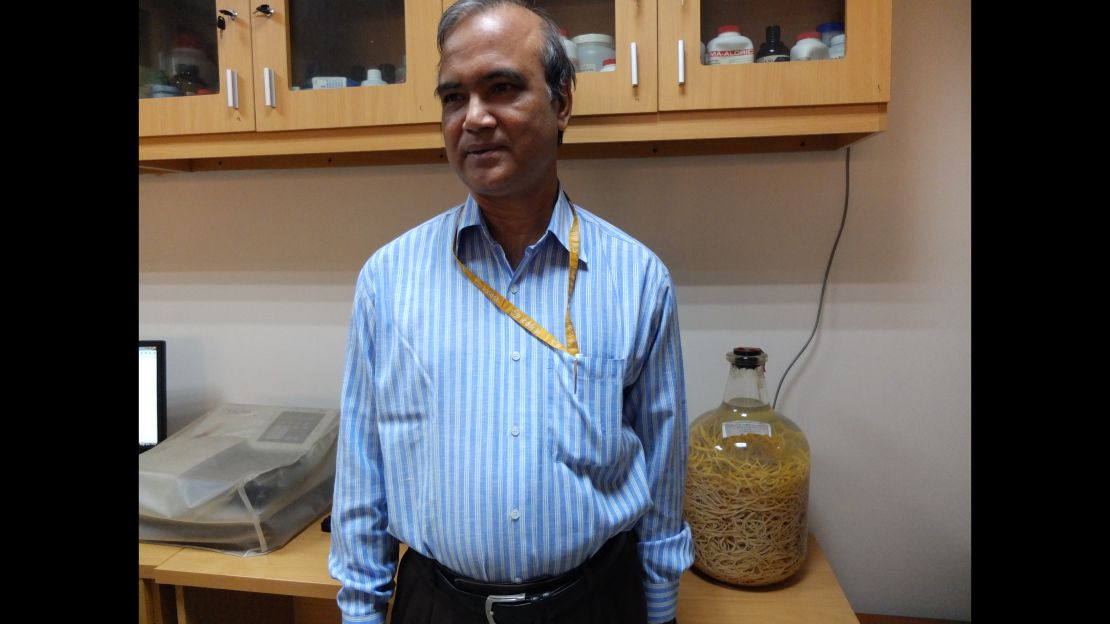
(332, 82)
(730, 47)
(188, 51)
(747, 483)
(187, 80)
(609, 65)
(808, 47)
(774, 49)
(373, 77)
(150, 78)
(402, 71)
(387, 72)
(828, 30)
(838, 48)
(164, 91)
(593, 49)
(570, 46)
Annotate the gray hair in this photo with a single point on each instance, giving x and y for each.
(558, 70)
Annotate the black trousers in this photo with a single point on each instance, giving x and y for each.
(606, 589)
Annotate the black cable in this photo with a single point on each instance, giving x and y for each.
(825, 281)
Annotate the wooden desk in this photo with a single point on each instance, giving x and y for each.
(153, 600)
(299, 590)
(300, 568)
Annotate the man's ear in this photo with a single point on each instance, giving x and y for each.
(563, 105)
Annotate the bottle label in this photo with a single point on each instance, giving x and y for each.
(745, 427)
(718, 53)
(774, 58)
(728, 57)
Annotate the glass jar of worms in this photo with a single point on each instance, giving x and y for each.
(747, 482)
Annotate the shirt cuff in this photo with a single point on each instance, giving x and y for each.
(373, 618)
(662, 601)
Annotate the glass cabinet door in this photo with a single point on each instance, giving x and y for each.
(704, 63)
(622, 31)
(194, 67)
(345, 63)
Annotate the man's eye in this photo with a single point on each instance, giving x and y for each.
(502, 87)
(451, 98)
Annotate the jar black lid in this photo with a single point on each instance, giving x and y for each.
(747, 357)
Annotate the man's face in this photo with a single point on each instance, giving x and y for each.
(500, 126)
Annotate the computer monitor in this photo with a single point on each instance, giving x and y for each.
(152, 393)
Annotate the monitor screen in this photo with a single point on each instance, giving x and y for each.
(152, 393)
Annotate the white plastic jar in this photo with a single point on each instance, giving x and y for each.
(837, 47)
(373, 78)
(730, 47)
(570, 47)
(808, 47)
(609, 65)
(593, 49)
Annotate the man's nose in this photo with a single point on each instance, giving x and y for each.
(478, 114)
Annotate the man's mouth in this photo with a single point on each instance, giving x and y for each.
(478, 150)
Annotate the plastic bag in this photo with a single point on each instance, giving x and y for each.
(242, 479)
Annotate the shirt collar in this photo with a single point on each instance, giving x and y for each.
(562, 218)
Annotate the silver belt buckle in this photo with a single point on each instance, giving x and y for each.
(502, 598)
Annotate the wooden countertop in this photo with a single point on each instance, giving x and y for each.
(152, 555)
(300, 569)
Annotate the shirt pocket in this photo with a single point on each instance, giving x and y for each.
(588, 400)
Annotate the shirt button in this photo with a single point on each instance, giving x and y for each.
(515, 431)
(516, 355)
(514, 288)
(514, 514)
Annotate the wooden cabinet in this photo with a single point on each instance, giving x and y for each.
(862, 76)
(267, 62)
(632, 88)
(160, 24)
(643, 108)
(335, 35)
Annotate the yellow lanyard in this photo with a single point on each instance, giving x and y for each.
(523, 319)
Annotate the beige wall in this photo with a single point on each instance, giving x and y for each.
(249, 276)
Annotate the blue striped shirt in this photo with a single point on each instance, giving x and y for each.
(478, 445)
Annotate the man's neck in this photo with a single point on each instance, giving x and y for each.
(515, 223)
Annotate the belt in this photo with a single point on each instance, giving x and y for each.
(546, 594)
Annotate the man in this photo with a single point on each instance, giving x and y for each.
(513, 406)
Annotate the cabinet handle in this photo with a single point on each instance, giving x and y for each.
(232, 88)
(265, 10)
(635, 67)
(681, 62)
(268, 87)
